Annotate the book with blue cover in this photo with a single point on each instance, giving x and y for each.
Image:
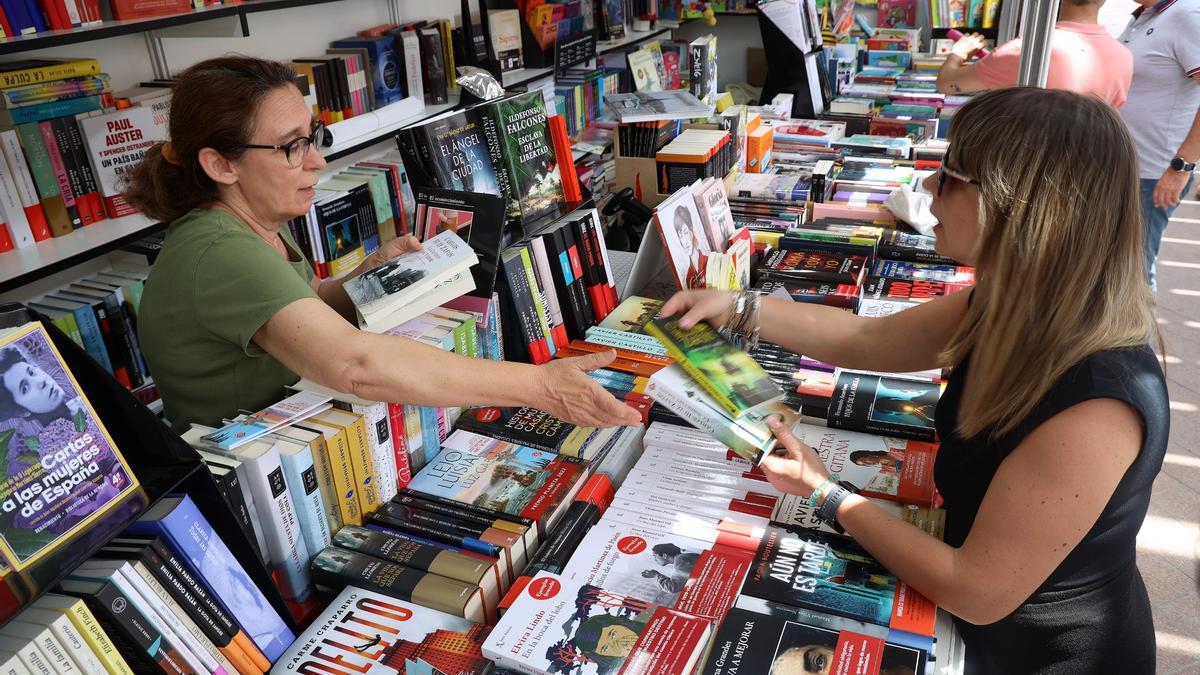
(177, 520)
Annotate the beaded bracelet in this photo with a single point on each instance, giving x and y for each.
(819, 492)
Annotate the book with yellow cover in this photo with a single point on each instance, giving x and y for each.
(337, 447)
(59, 469)
(361, 456)
(90, 630)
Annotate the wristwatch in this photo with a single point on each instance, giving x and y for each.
(827, 513)
(1181, 165)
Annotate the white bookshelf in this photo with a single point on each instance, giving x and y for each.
(21, 265)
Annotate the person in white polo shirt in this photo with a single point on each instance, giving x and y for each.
(1163, 109)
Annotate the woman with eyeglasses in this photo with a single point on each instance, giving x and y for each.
(1054, 422)
(231, 312)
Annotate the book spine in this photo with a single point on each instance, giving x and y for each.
(379, 435)
(411, 51)
(480, 515)
(173, 591)
(61, 175)
(156, 609)
(621, 339)
(231, 488)
(490, 123)
(74, 643)
(47, 73)
(10, 145)
(327, 486)
(399, 433)
(363, 463)
(54, 650)
(11, 210)
(300, 474)
(91, 189)
(137, 641)
(277, 514)
(216, 608)
(52, 109)
(45, 182)
(343, 479)
(408, 584)
(123, 339)
(97, 639)
(539, 304)
(545, 281)
(62, 140)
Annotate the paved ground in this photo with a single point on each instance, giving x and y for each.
(1169, 543)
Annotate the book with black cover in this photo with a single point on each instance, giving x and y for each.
(775, 638)
(478, 218)
(838, 268)
(450, 151)
(888, 405)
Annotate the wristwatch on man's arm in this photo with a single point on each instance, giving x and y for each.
(1181, 165)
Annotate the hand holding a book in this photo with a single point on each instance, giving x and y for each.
(569, 394)
(793, 467)
(700, 305)
(396, 247)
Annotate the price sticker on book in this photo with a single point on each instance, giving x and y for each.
(574, 51)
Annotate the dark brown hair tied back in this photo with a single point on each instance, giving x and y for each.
(213, 105)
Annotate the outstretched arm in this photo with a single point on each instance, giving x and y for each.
(312, 340)
(1043, 499)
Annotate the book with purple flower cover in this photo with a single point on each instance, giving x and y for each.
(59, 469)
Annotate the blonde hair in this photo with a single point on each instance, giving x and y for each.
(1060, 271)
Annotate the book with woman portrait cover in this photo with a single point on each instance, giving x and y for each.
(895, 469)
(61, 469)
(562, 625)
(759, 636)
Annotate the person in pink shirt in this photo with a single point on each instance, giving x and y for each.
(1084, 59)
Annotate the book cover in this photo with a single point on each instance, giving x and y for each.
(830, 573)
(525, 426)
(680, 228)
(895, 469)
(61, 469)
(364, 631)
(379, 292)
(337, 568)
(505, 32)
(839, 268)
(730, 375)
(559, 625)
(776, 638)
(672, 570)
(510, 478)
(916, 271)
(528, 151)
(748, 436)
(116, 142)
(477, 218)
(887, 405)
(179, 522)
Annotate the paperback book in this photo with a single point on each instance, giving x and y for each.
(61, 469)
(559, 625)
(362, 631)
(403, 280)
(748, 435)
(887, 405)
(776, 638)
(477, 218)
(830, 573)
(649, 106)
(525, 426)
(730, 375)
(895, 469)
(519, 122)
(501, 476)
(667, 569)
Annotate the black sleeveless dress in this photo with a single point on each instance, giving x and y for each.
(1093, 614)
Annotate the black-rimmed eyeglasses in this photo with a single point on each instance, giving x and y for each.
(297, 149)
(945, 171)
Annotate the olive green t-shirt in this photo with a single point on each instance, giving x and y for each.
(213, 285)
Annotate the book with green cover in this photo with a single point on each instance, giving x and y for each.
(528, 152)
(727, 373)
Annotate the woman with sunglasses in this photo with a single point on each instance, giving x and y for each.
(1054, 421)
(231, 312)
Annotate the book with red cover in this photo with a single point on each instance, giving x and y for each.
(144, 9)
(566, 161)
